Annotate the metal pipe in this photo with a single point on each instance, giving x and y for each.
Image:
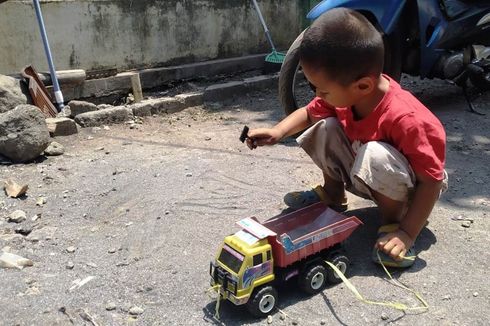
(57, 91)
(267, 32)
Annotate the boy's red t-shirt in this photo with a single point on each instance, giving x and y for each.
(399, 120)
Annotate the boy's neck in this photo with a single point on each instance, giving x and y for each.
(367, 104)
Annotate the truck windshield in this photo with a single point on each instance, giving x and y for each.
(231, 258)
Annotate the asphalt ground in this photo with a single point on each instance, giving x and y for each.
(147, 208)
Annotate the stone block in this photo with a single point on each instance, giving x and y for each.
(225, 91)
(142, 109)
(259, 83)
(79, 107)
(118, 114)
(61, 126)
(191, 99)
(166, 105)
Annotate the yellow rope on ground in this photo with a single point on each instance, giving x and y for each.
(216, 288)
(395, 305)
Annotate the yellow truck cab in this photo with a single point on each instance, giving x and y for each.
(244, 262)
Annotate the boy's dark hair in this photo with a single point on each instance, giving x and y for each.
(345, 45)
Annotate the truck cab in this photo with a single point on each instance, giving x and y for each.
(243, 263)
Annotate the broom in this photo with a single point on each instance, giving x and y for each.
(274, 57)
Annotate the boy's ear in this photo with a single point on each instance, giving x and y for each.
(365, 85)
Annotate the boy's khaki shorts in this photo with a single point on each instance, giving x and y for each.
(377, 165)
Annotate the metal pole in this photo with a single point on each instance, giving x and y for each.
(57, 91)
(267, 32)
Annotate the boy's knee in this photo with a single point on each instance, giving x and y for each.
(382, 168)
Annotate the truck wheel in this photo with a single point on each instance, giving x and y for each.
(313, 279)
(263, 301)
(342, 263)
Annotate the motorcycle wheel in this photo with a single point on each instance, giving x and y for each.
(481, 82)
(291, 78)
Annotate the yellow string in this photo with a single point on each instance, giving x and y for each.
(217, 288)
(395, 305)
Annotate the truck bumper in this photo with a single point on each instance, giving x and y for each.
(225, 294)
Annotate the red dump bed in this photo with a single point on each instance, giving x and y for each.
(307, 231)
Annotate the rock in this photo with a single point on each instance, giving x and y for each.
(8, 260)
(11, 93)
(466, 224)
(24, 134)
(44, 233)
(64, 113)
(384, 316)
(104, 106)
(79, 107)
(269, 319)
(17, 216)
(54, 149)
(24, 230)
(118, 114)
(112, 250)
(41, 201)
(135, 310)
(70, 265)
(71, 249)
(14, 190)
(475, 294)
(446, 297)
(61, 126)
(207, 138)
(110, 306)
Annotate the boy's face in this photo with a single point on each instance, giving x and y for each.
(330, 91)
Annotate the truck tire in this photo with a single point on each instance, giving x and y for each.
(342, 263)
(262, 301)
(313, 279)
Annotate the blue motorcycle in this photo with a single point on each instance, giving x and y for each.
(447, 39)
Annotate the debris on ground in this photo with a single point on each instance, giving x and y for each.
(54, 149)
(78, 283)
(14, 190)
(135, 310)
(40, 201)
(17, 216)
(9, 260)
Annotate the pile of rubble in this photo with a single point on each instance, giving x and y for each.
(25, 132)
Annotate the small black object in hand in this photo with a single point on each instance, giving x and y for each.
(244, 134)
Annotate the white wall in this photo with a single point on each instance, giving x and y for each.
(127, 34)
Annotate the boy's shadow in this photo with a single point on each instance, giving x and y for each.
(358, 248)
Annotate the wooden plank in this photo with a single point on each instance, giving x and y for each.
(39, 93)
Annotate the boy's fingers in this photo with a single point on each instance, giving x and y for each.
(395, 253)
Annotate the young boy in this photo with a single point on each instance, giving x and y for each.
(365, 133)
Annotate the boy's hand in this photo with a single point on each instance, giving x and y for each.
(263, 136)
(395, 244)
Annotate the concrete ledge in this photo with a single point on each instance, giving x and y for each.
(225, 91)
(169, 105)
(118, 114)
(151, 78)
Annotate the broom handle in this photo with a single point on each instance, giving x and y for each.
(267, 32)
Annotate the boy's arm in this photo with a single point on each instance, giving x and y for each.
(426, 194)
(292, 124)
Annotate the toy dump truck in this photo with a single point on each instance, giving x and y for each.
(251, 262)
